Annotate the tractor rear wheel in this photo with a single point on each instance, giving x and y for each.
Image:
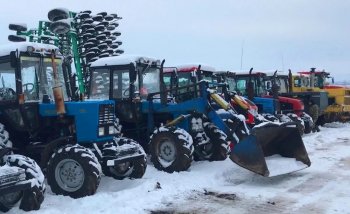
(31, 198)
(74, 171)
(131, 169)
(171, 149)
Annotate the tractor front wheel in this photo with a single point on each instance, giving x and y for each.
(74, 171)
(171, 149)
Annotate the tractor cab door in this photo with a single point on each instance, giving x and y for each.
(10, 114)
(18, 118)
(126, 93)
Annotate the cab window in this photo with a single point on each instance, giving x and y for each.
(8, 82)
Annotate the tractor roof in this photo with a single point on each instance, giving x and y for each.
(316, 72)
(246, 72)
(262, 72)
(194, 67)
(279, 73)
(225, 73)
(23, 47)
(124, 60)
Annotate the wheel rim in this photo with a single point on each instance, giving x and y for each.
(69, 175)
(123, 169)
(167, 150)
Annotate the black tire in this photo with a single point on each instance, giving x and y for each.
(180, 144)
(308, 123)
(218, 139)
(57, 14)
(132, 169)
(298, 121)
(270, 117)
(15, 38)
(33, 197)
(60, 27)
(17, 27)
(119, 51)
(82, 159)
(238, 127)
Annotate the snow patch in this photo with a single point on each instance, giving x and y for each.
(278, 165)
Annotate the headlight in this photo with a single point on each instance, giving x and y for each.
(111, 130)
(101, 131)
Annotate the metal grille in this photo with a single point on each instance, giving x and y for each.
(106, 114)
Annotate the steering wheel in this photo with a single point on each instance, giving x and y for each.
(126, 92)
(29, 88)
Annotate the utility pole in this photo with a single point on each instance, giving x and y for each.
(242, 47)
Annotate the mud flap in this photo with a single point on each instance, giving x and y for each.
(271, 150)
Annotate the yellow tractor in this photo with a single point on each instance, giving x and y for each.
(338, 108)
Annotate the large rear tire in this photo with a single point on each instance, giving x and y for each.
(31, 198)
(74, 171)
(131, 169)
(171, 149)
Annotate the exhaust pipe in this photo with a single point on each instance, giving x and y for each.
(57, 88)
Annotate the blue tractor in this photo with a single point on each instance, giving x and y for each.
(171, 129)
(74, 142)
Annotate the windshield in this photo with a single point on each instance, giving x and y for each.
(167, 80)
(38, 78)
(121, 84)
(100, 84)
(231, 83)
(242, 84)
(150, 81)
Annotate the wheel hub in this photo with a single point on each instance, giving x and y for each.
(69, 175)
(168, 151)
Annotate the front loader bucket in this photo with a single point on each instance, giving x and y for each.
(272, 150)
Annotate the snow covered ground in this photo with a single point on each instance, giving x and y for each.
(223, 187)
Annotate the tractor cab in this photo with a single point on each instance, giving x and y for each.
(128, 80)
(28, 72)
(35, 105)
(256, 79)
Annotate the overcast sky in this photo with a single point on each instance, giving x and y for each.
(274, 34)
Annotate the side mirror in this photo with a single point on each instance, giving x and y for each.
(13, 59)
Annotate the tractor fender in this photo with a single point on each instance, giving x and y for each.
(51, 147)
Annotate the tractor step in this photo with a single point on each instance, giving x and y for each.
(125, 159)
